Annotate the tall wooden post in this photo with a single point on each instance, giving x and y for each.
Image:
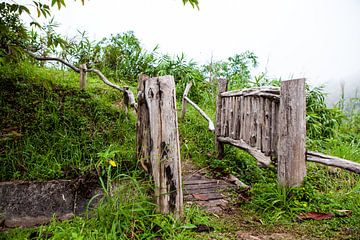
(82, 76)
(292, 133)
(222, 87)
(158, 140)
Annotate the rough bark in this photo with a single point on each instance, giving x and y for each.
(292, 133)
(333, 161)
(159, 128)
(257, 154)
(222, 87)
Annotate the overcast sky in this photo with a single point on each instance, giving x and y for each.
(316, 39)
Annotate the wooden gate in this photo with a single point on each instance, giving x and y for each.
(269, 123)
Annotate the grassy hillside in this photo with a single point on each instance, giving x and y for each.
(50, 129)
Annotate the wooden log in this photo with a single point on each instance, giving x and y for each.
(260, 123)
(202, 113)
(247, 120)
(333, 161)
(274, 128)
(187, 89)
(253, 119)
(164, 148)
(236, 118)
(258, 155)
(107, 82)
(272, 92)
(266, 144)
(223, 111)
(222, 87)
(242, 117)
(292, 133)
(227, 112)
(231, 117)
(83, 69)
(142, 127)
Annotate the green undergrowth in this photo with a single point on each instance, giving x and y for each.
(50, 129)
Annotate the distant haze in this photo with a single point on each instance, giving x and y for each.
(319, 40)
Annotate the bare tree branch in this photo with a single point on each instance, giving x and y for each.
(53, 59)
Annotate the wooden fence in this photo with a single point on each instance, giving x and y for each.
(269, 123)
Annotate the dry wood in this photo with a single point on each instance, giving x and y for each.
(231, 178)
(82, 76)
(266, 143)
(53, 59)
(159, 103)
(258, 155)
(260, 123)
(187, 89)
(142, 127)
(292, 132)
(125, 90)
(102, 77)
(222, 87)
(211, 124)
(274, 128)
(253, 119)
(272, 92)
(333, 161)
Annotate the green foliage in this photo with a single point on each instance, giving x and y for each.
(322, 121)
(236, 69)
(13, 35)
(122, 57)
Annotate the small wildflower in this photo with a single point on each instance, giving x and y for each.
(112, 163)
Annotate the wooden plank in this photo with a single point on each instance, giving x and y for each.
(222, 128)
(253, 120)
(274, 128)
(242, 117)
(258, 155)
(222, 87)
(200, 181)
(203, 190)
(260, 122)
(227, 113)
(237, 118)
(210, 196)
(266, 143)
(292, 133)
(205, 185)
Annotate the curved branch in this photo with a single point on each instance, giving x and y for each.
(53, 59)
(211, 124)
(130, 95)
(128, 92)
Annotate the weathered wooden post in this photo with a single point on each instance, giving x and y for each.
(82, 76)
(222, 87)
(158, 140)
(292, 133)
